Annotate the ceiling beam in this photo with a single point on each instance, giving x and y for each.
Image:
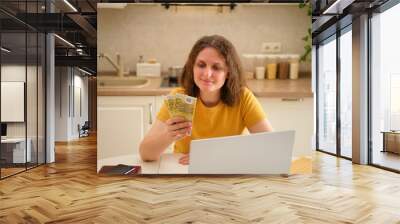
(84, 24)
(75, 61)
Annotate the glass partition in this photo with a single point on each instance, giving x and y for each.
(13, 92)
(31, 100)
(41, 96)
(22, 88)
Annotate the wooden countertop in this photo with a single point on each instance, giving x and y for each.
(261, 88)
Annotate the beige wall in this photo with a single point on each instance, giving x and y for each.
(168, 35)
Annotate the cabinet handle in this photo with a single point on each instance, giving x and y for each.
(292, 99)
(151, 113)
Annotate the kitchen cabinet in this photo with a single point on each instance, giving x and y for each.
(292, 114)
(122, 123)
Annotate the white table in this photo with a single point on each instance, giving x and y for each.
(168, 164)
(19, 149)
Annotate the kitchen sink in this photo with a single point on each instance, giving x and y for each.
(123, 82)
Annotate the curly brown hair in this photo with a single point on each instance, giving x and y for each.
(230, 91)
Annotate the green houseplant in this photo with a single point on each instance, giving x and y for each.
(306, 56)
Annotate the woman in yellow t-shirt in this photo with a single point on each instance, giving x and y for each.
(225, 106)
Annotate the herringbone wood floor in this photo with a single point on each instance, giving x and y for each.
(69, 191)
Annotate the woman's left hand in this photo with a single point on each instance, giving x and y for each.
(184, 160)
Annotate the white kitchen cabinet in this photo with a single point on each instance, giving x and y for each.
(292, 114)
(122, 122)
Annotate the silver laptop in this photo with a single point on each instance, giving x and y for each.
(260, 153)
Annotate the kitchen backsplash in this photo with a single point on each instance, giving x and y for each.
(168, 35)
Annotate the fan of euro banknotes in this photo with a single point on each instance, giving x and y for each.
(181, 105)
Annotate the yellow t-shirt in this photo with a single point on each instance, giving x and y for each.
(220, 120)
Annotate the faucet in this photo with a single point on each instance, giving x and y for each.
(118, 66)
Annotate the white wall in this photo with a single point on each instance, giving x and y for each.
(13, 101)
(13, 72)
(17, 73)
(68, 82)
(62, 82)
(80, 109)
(82, 82)
(168, 35)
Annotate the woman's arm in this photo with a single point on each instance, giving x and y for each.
(161, 135)
(261, 126)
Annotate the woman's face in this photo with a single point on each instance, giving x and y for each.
(210, 70)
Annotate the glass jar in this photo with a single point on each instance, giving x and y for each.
(260, 66)
(271, 66)
(248, 65)
(294, 66)
(283, 67)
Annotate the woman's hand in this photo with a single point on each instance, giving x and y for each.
(178, 128)
(184, 160)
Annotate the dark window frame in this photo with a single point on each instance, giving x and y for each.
(333, 37)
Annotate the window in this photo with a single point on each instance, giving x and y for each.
(385, 88)
(327, 96)
(346, 93)
(394, 102)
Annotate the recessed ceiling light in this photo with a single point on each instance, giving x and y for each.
(5, 49)
(86, 72)
(337, 7)
(64, 40)
(70, 5)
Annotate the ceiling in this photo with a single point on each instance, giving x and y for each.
(77, 26)
(330, 16)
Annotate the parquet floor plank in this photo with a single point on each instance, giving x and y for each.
(70, 191)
